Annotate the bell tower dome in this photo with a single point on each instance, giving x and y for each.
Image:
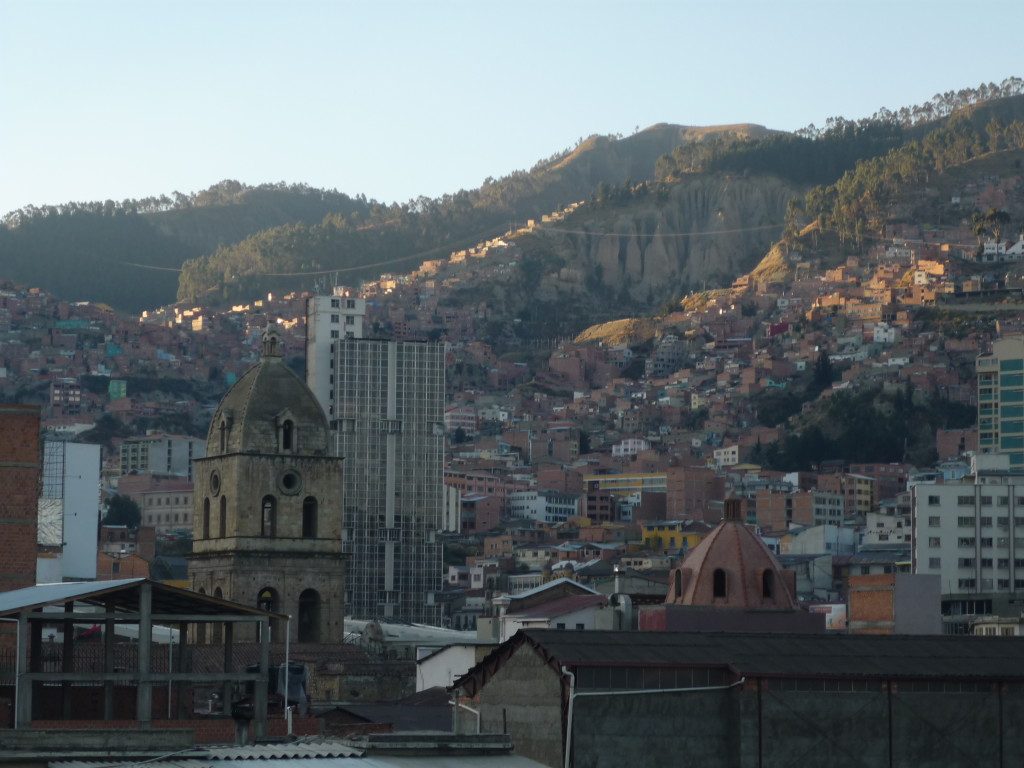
(268, 501)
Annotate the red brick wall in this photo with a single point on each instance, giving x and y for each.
(19, 499)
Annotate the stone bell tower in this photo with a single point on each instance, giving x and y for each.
(268, 501)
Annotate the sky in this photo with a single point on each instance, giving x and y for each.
(104, 99)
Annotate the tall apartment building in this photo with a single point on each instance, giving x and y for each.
(972, 536)
(328, 319)
(385, 400)
(161, 455)
(1001, 400)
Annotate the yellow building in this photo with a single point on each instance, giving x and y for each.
(673, 534)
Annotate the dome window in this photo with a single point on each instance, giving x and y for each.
(718, 583)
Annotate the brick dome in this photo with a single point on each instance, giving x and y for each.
(732, 568)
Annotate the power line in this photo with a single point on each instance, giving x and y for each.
(663, 234)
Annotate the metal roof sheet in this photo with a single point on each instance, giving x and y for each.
(124, 594)
(777, 654)
(894, 657)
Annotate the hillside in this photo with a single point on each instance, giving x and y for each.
(73, 249)
(673, 209)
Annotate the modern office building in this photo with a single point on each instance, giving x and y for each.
(161, 455)
(1001, 400)
(971, 535)
(385, 400)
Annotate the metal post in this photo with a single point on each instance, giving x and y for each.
(144, 693)
(260, 691)
(23, 704)
(109, 627)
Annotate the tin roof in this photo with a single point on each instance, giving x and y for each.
(124, 594)
(753, 654)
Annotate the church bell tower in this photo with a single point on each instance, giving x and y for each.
(268, 501)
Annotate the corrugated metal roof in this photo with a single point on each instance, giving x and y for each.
(420, 761)
(124, 594)
(776, 654)
(893, 657)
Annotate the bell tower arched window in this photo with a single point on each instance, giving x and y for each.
(269, 527)
(206, 518)
(309, 515)
(309, 616)
(223, 516)
(288, 435)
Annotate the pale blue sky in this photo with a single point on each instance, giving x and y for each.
(111, 99)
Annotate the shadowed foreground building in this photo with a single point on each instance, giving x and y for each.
(749, 700)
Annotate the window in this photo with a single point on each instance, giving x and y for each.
(223, 516)
(935, 563)
(986, 522)
(309, 616)
(965, 562)
(269, 522)
(986, 562)
(579, 626)
(718, 583)
(934, 521)
(965, 522)
(965, 501)
(206, 518)
(309, 515)
(965, 541)
(933, 501)
(966, 583)
(287, 435)
(350, 320)
(934, 541)
(986, 501)
(986, 542)
(335, 318)
(767, 583)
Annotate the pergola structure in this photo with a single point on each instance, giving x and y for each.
(139, 602)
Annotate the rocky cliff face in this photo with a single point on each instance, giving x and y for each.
(704, 231)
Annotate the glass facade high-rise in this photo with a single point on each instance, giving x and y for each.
(1001, 400)
(389, 412)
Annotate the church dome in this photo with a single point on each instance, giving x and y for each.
(732, 568)
(269, 410)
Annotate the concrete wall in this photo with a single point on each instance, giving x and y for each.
(654, 729)
(523, 699)
(758, 724)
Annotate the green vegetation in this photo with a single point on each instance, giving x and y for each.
(121, 510)
(868, 425)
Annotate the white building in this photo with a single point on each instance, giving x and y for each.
(543, 506)
(159, 454)
(972, 536)
(329, 318)
(69, 506)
